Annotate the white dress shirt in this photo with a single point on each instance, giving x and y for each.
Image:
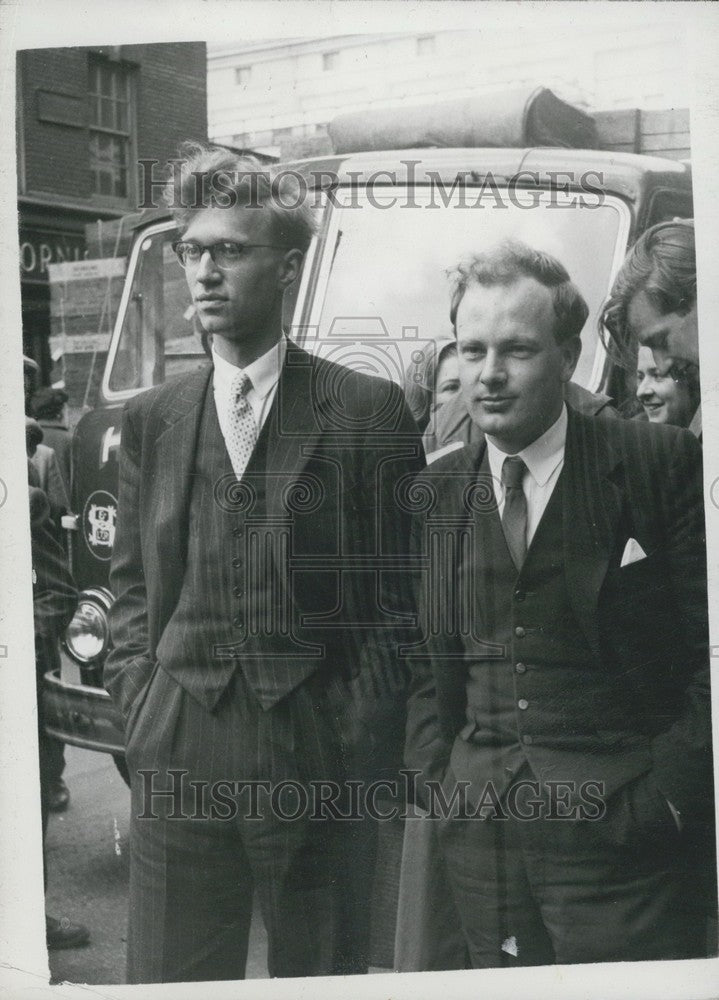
(264, 374)
(544, 459)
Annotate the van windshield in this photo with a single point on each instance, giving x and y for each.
(378, 290)
(160, 336)
(386, 291)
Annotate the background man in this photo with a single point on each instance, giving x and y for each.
(54, 601)
(585, 657)
(49, 407)
(653, 303)
(258, 590)
(45, 475)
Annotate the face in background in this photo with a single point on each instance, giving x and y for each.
(447, 381)
(665, 401)
(673, 336)
(241, 304)
(511, 368)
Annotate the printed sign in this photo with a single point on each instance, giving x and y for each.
(98, 524)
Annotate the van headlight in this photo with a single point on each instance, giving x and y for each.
(87, 637)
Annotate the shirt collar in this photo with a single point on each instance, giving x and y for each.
(541, 456)
(696, 424)
(263, 372)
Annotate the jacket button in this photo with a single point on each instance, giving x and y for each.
(237, 562)
(237, 622)
(527, 740)
(520, 668)
(522, 703)
(237, 591)
(519, 595)
(519, 632)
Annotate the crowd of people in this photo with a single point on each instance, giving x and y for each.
(495, 579)
(48, 442)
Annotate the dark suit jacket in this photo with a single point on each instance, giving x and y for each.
(350, 435)
(51, 481)
(54, 592)
(58, 436)
(646, 622)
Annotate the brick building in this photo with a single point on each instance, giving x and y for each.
(85, 116)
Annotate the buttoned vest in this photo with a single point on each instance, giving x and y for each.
(542, 688)
(234, 610)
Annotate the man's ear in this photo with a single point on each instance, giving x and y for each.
(570, 350)
(290, 267)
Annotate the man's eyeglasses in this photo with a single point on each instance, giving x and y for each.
(225, 255)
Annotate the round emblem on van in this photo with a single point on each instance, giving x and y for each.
(98, 523)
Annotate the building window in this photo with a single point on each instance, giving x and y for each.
(425, 45)
(330, 60)
(111, 125)
(243, 75)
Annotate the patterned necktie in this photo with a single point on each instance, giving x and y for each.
(514, 516)
(243, 429)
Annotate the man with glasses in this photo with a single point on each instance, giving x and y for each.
(259, 605)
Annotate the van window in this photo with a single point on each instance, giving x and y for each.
(159, 336)
(386, 290)
(666, 206)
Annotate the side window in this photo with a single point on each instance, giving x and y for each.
(669, 205)
(160, 336)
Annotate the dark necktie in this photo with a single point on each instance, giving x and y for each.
(514, 516)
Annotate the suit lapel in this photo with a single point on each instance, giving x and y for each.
(458, 493)
(175, 448)
(592, 509)
(456, 484)
(295, 427)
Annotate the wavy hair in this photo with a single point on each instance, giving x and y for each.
(510, 260)
(213, 176)
(662, 264)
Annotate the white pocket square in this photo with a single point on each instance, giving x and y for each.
(633, 552)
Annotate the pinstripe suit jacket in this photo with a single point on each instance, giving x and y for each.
(646, 622)
(351, 433)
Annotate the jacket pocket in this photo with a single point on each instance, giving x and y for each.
(138, 704)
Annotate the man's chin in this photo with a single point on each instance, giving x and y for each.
(221, 330)
(489, 423)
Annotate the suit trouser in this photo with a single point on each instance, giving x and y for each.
(193, 871)
(540, 891)
(429, 933)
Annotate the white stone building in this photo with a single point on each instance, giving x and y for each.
(277, 96)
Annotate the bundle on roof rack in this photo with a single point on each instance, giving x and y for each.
(527, 117)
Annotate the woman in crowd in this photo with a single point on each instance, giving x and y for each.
(431, 381)
(671, 398)
(652, 306)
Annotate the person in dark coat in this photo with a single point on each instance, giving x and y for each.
(44, 473)
(653, 304)
(54, 602)
(49, 407)
(258, 571)
(560, 706)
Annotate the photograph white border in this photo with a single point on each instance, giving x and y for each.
(23, 958)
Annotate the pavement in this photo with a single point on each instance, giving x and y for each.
(88, 867)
